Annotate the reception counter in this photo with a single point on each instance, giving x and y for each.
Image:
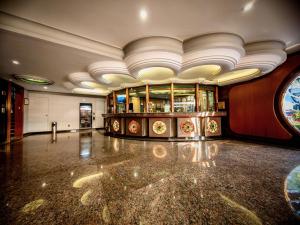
(164, 125)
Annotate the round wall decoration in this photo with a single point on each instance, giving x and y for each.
(116, 125)
(159, 127)
(187, 127)
(290, 103)
(133, 127)
(212, 126)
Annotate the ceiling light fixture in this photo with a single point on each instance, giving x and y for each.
(32, 79)
(248, 6)
(16, 62)
(143, 14)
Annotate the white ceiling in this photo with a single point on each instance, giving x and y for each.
(117, 23)
(41, 58)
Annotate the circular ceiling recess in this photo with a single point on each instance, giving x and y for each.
(222, 49)
(91, 84)
(116, 80)
(237, 76)
(104, 69)
(153, 52)
(32, 79)
(264, 55)
(204, 71)
(155, 73)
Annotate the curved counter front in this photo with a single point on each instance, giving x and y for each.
(164, 125)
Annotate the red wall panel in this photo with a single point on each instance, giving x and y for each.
(251, 105)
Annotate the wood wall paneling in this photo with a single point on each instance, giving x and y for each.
(252, 104)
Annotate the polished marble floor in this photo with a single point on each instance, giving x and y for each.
(88, 178)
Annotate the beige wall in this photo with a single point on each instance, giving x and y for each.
(44, 108)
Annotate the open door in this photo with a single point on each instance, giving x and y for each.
(85, 115)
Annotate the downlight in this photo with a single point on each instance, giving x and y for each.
(32, 79)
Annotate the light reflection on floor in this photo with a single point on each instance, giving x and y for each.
(88, 178)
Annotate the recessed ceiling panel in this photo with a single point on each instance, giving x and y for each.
(237, 76)
(155, 73)
(204, 71)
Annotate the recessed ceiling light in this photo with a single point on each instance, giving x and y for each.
(32, 79)
(248, 6)
(143, 14)
(16, 62)
(45, 87)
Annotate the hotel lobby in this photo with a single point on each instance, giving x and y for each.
(149, 112)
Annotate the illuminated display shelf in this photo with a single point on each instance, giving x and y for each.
(162, 111)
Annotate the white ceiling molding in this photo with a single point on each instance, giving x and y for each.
(79, 77)
(153, 52)
(69, 85)
(99, 69)
(236, 76)
(36, 30)
(265, 55)
(223, 49)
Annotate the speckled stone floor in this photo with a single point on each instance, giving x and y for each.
(88, 178)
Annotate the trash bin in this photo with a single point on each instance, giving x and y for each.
(54, 128)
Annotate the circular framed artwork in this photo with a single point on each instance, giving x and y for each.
(116, 125)
(212, 126)
(133, 127)
(290, 102)
(159, 127)
(187, 127)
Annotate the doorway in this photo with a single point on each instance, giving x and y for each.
(85, 115)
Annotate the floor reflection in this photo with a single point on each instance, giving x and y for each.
(292, 188)
(88, 178)
(85, 144)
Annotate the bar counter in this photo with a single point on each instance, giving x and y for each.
(164, 125)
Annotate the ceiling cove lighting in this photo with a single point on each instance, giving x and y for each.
(248, 6)
(90, 84)
(16, 62)
(238, 74)
(155, 73)
(143, 14)
(32, 79)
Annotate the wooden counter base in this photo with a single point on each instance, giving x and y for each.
(164, 125)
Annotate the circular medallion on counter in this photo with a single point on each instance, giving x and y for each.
(133, 127)
(159, 127)
(116, 125)
(212, 126)
(187, 127)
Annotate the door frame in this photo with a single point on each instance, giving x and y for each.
(86, 104)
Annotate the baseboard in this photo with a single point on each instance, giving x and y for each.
(59, 131)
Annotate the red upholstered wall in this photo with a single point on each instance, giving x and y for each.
(251, 105)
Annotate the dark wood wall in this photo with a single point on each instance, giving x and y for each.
(3, 109)
(12, 108)
(253, 106)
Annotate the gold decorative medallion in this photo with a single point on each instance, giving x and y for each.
(116, 125)
(212, 126)
(187, 127)
(133, 127)
(159, 127)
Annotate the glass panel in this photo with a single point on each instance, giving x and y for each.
(159, 98)
(184, 98)
(202, 100)
(110, 103)
(211, 101)
(121, 101)
(291, 103)
(137, 99)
